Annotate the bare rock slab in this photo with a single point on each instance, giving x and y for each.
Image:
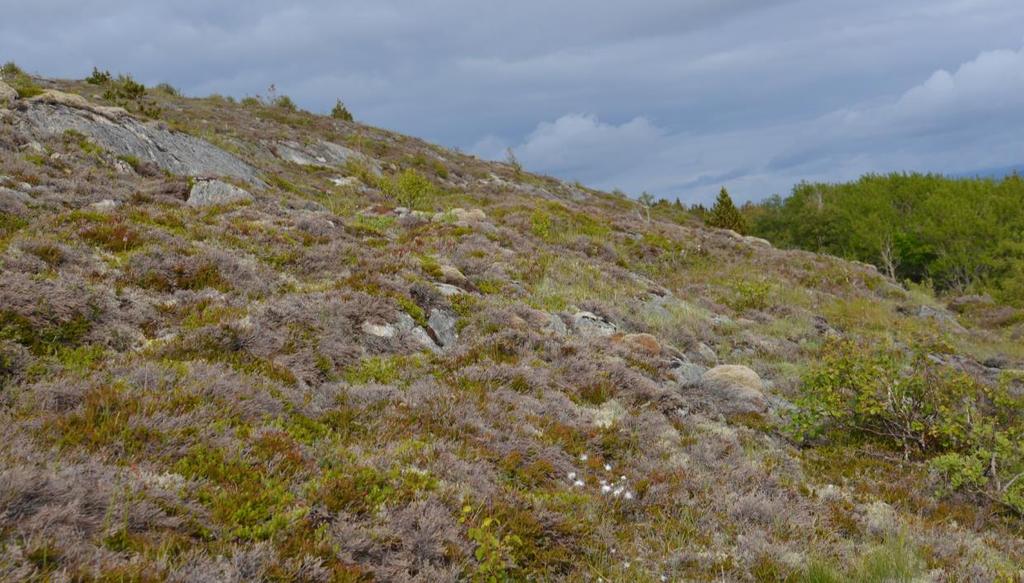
(213, 192)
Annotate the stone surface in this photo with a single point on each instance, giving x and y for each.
(211, 192)
(323, 153)
(642, 343)
(590, 324)
(707, 353)
(555, 325)
(735, 389)
(407, 326)
(442, 328)
(448, 290)
(53, 113)
(379, 330)
(105, 205)
(7, 94)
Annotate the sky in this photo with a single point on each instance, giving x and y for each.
(673, 97)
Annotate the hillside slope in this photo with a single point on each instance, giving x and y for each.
(242, 342)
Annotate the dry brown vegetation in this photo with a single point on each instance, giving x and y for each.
(266, 390)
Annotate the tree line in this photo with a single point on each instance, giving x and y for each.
(961, 235)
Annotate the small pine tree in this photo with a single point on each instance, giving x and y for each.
(725, 215)
(341, 112)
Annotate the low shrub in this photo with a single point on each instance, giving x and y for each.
(971, 434)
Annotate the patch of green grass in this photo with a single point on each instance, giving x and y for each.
(367, 490)
(248, 501)
(376, 225)
(46, 339)
(376, 369)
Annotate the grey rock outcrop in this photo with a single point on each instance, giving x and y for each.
(590, 324)
(322, 153)
(442, 328)
(735, 389)
(54, 112)
(211, 192)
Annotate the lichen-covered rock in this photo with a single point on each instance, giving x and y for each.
(735, 389)
(591, 325)
(442, 328)
(211, 192)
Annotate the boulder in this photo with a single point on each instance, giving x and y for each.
(7, 94)
(735, 389)
(451, 274)
(642, 343)
(442, 328)
(448, 290)
(407, 326)
(212, 192)
(591, 325)
(379, 330)
(554, 325)
(707, 354)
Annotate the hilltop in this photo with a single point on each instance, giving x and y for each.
(241, 342)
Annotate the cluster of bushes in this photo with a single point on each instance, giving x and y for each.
(960, 234)
(970, 434)
(126, 92)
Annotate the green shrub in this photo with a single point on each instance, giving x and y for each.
(284, 102)
(339, 111)
(750, 295)
(168, 89)
(409, 189)
(98, 77)
(125, 88)
(970, 434)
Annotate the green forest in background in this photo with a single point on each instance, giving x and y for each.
(959, 235)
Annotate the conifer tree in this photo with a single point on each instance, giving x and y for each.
(725, 215)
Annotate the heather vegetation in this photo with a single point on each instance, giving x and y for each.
(327, 352)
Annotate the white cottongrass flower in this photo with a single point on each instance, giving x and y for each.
(628, 496)
(572, 475)
(583, 457)
(607, 467)
(605, 489)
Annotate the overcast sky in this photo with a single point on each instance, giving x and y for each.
(676, 97)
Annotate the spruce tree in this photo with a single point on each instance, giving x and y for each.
(725, 215)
